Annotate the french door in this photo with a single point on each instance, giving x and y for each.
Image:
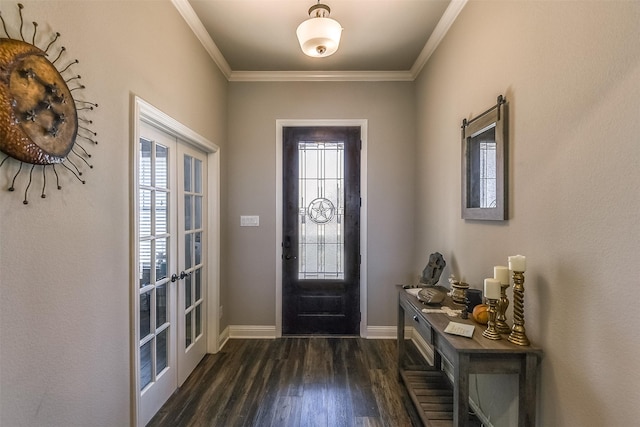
(171, 253)
(192, 343)
(321, 230)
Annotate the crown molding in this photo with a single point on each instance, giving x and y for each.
(320, 76)
(449, 16)
(189, 15)
(441, 29)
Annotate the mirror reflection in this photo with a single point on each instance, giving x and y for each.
(482, 164)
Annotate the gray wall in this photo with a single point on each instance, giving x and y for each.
(253, 111)
(571, 73)
(64, 260)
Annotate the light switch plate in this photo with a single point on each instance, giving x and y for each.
(249, 221)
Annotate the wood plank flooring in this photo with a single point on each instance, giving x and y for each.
(296, 382)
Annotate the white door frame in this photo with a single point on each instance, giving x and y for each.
(143, 111)
(362, 123)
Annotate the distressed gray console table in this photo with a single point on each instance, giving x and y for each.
(476, 355)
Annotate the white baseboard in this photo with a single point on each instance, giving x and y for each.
(421, 344)
(481, 416)
(266, 332)
(223, 338)
(252, 332)
(380, 332)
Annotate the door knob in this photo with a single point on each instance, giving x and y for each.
(175, 277)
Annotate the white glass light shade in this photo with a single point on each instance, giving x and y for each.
(319, 36)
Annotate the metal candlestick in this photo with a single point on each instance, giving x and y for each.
(501, 317)
(491, 332)
(518, 335)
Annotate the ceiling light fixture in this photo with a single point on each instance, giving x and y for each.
(319, 36)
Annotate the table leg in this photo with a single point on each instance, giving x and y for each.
(527, 391)
(461, 391)
(437, 358)
(400, 335)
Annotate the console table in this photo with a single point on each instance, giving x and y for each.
(476, 355)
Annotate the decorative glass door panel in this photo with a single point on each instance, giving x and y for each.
(192, 260)
(157, 256)
(321, 210)
(152, 266)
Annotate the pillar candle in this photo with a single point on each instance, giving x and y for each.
(501, 273)
(491, 288)
(517, 263)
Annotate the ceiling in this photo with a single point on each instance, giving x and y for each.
(381, 39)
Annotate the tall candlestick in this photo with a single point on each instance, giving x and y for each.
(501, 273)
(491, 289)
(491, 332)
(518, 334)
(517, 263)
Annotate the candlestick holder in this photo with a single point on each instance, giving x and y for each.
(491, 332)
(501, 317)
(518, 335)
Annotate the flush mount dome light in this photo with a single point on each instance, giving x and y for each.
(319, 36)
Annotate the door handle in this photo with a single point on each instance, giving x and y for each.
(175, 277)
(287, 245)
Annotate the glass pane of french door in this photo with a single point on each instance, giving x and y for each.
(152, 266)
(192, 249)
(157, 258)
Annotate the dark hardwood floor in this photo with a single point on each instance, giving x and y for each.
(297, 382)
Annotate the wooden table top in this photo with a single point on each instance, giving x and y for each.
(477, 343)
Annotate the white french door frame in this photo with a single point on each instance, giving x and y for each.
(362, 123)
(145, 112)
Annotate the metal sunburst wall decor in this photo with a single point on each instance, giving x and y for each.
(43, 124)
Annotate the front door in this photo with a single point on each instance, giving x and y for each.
(321, 230)
(171, 253)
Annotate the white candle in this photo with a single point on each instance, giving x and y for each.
(491, 289)
(501, 273)
(517, 263)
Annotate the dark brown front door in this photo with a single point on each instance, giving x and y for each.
(321, 230)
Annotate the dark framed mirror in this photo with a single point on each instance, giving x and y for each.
(484, 164)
